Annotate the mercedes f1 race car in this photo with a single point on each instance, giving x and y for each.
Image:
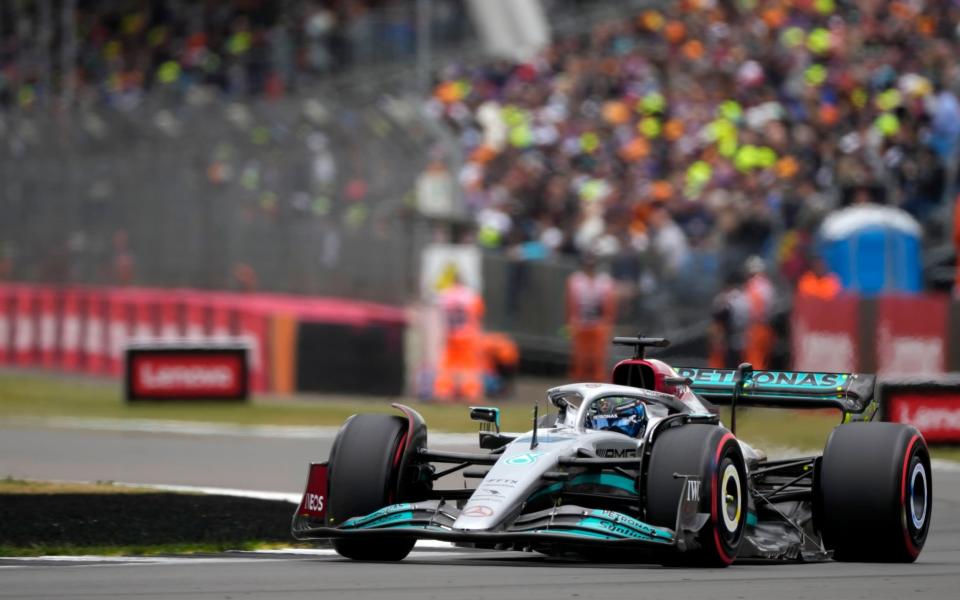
(640, 469)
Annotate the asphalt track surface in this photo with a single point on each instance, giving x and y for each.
(432, 572)
(269, 464)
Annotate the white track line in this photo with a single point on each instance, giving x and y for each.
(107, 561)
(231, 556)
(188, 489)
(215, 491)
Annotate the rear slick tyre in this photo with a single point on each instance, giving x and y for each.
(714, 454)
(874, 494)
(364, 469)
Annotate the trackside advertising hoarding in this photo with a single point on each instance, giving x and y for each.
(911, 335)
(932, 407)
(825, 335)
(908, 340)
(172, 372)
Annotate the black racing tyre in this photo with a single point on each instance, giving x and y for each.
(714, 454)
(364, 466)
(874, 496)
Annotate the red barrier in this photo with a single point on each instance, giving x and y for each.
(825, 334)
(70, 331)
(911, 335)
(94, 349)
(118, 330)
(47, 322)
(143, 328)
(89, 328)
(254, 329)
(6, 323)
(196, 319)
(170, 326)
(221, 317)
(24, 331)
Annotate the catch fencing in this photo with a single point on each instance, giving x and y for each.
(302, 195)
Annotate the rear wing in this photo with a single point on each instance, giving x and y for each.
(850, 392)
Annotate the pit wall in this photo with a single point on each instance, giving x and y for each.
(296, 343)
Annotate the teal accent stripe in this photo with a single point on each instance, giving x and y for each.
(611, 516)
(751, 518)
(553, 487)
(577, 533)
(608, 479)
(617, 530)
(388, 520)
(386, 510)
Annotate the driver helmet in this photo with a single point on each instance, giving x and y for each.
(627, 417)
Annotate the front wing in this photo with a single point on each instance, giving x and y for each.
(559, 527)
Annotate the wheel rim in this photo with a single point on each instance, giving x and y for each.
(731, 503)
(919, 496)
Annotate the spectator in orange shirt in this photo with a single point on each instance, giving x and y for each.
(819, 282)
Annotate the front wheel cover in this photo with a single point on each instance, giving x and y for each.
(364, 477)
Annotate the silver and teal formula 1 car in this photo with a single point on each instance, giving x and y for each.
(640, 469)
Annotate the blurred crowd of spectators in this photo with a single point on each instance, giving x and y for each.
(125, 49)
(709, 128)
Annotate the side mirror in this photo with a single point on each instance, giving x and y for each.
(678, 381)
(487, 414)
(492, 441)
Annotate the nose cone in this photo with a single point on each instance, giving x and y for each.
(511, 481)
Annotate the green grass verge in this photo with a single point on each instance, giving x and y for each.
(138, 550)
(946, 453)
(11, 485)
(36, 395)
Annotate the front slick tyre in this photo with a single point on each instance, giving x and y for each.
(874, 494)
(364, 470)
(712, 453)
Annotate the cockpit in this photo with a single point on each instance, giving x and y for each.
(607, 408)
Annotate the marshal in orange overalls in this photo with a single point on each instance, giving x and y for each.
(460, 372)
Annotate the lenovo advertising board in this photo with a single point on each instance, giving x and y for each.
(933, 407)
(185, 371)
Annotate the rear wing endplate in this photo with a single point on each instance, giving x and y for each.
(850, 392)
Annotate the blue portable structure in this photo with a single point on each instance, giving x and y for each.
(873, 249)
